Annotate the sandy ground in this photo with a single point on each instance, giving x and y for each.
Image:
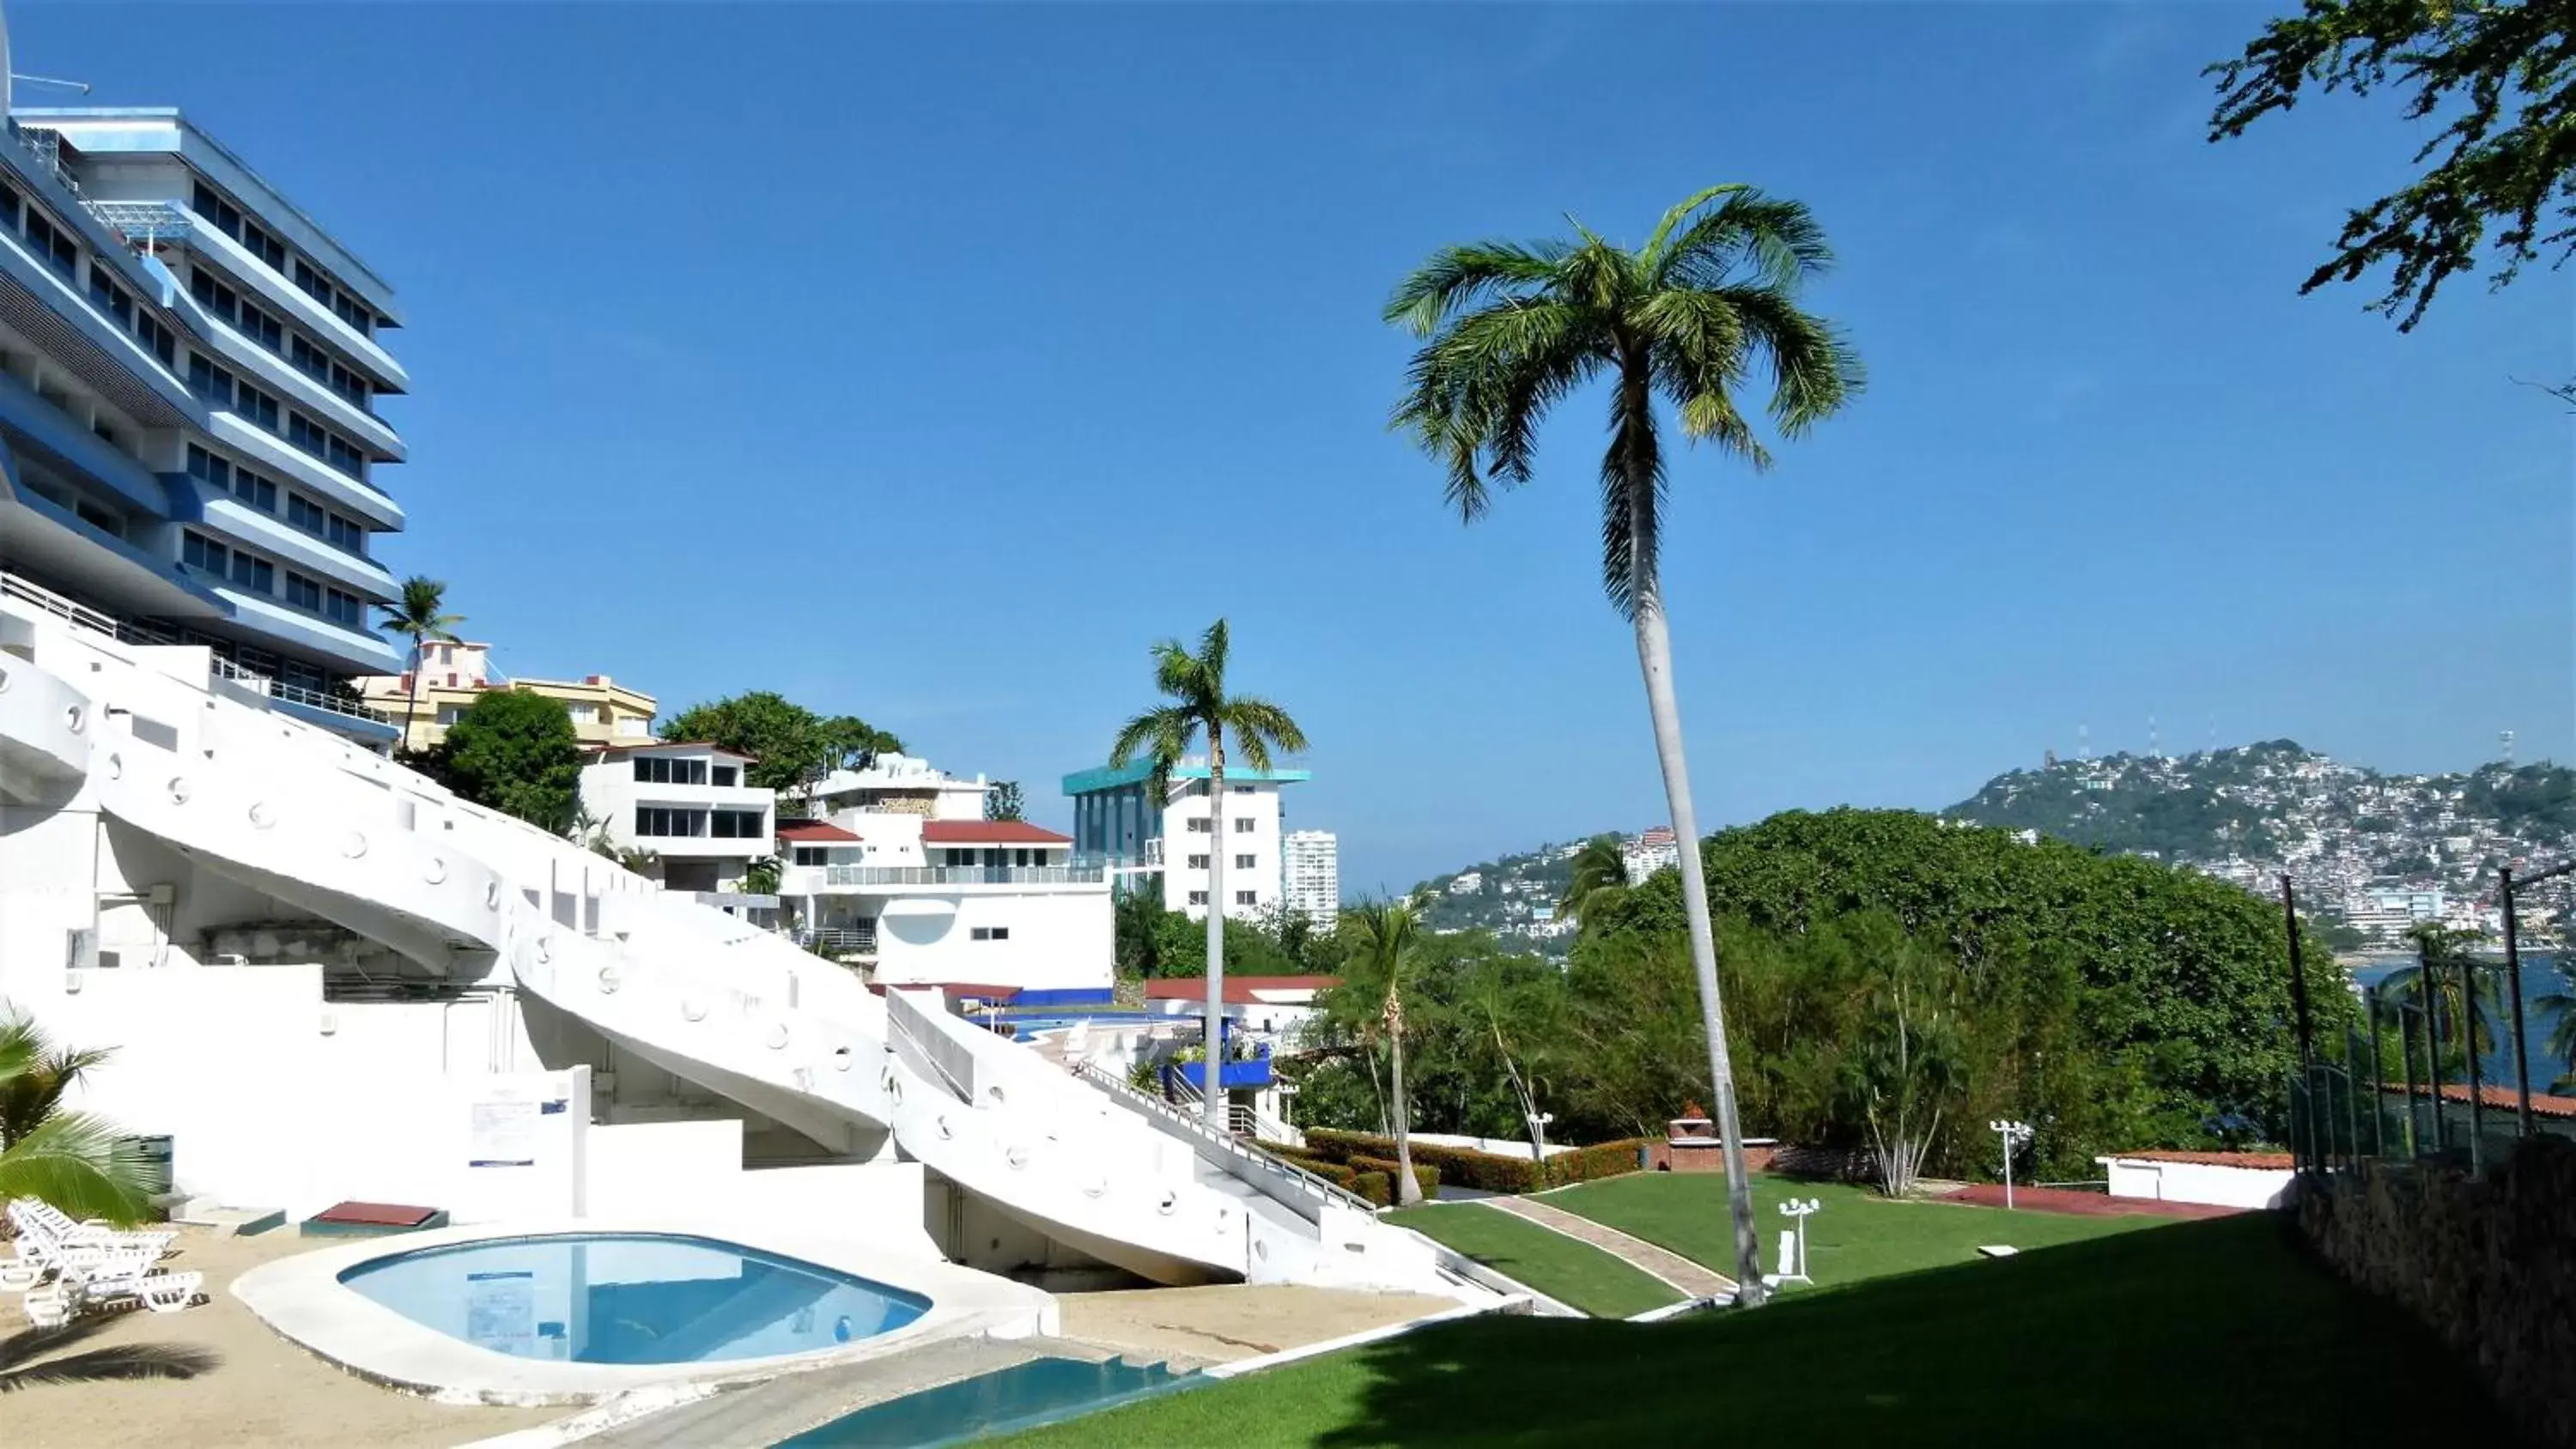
(1221, 1324)
(266, 1392)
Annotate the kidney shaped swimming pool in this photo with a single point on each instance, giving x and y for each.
(631, 1298)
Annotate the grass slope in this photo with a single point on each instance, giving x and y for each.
(1576, 1274)
(1857, 1235)
(2209, 1333)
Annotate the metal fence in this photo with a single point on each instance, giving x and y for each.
(2408, 1082)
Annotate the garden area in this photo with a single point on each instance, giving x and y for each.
(2217, 1332)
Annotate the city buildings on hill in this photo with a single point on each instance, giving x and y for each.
(190, 374)
(1310, 866)
(1176, 839)
(453, 675)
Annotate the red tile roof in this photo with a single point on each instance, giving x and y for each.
(605, 750)
(806, 831)
(2253, 1161)
(2493, 1098)
(988, 832)
(1239, 990)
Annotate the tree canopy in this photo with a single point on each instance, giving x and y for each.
(792, 747)
(2498, 79)
(515, 752)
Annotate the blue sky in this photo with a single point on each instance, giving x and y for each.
(929, 363)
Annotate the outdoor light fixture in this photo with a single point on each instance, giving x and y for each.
(2016, 1135)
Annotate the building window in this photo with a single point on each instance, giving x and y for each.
(302, 592)
(665, 822)
(348, 534)
(306, 514)
(200, 552)
(1243, 862)
(256, 574)
(813, 855)
(739, 824)
(1243, 825)
(1199, 824)
(726, 776)
(224, 476)
(1198, 862)
(1198, 898)
(1245, 898)
(159, 340)
(992, 933)
(343, 608)
(1243, 789)
(110, 297)
(661, 770)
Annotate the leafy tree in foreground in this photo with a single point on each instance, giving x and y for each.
(421, 616)
(1680, 324)
(1382, 962)
(516, 752)
(1199, 708)
(1599, 866)
(73, 1160)
(792, 747)
(1002, 801)
(2499, 76)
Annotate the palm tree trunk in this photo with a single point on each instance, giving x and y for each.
(1407, 1191)
(1212, 1100)
(1655, 658)
(419, 666)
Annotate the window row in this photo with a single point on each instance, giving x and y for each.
(226, 476)
(132, 315)
(217, 387)
(669, 822)
(1241, 862)
(1243, 824)
(52, 244)
(996, 856)
(246, 570)
(326, 445)
(265, 328)
(1241, 898)
(272, 250)
(992, 933)
(663, 770)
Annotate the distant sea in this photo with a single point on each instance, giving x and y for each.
(2539, 979)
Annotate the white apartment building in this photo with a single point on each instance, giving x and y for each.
(902, 784)
(1655, 850)
(1310, 868)
(686, 803)
(1113, 820)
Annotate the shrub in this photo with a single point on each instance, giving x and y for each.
(1374, 1186)
(1603, 1159)
(1485, 1171)
(1428, 1176)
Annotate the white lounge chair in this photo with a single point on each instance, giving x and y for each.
(44, 1216)
(159, 1292)
(52, 1305)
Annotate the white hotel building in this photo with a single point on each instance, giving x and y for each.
(1114, 821)
(686, 805)
(1310, 865)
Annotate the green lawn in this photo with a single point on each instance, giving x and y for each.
(1576, 1274)
(1857, 1235)
(2205, 1333)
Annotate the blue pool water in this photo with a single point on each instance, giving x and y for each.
(631, 1298)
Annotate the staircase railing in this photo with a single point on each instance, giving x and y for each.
(1284, 1182)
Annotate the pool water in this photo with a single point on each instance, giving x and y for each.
(631, 1298)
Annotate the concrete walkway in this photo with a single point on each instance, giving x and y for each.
(1686, 1277)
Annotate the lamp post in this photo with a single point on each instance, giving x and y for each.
(2015, 1135)
(1799, 1212)
(1538, 1135)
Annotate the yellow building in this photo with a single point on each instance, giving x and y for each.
(603, 711)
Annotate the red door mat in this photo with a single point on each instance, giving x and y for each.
(375, 1215)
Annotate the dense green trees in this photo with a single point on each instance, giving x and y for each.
(514, 752)
(1893, 983)
(792, 747)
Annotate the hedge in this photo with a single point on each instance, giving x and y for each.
(1423, 1173)
(1486, 1171)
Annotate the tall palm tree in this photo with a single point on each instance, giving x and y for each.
(421, 618)
(1199, 706)
(1381, 962)
(72, 1160)
(2441, 954)
(1598, 867)
(1679, 324)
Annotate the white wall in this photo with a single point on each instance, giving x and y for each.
(693, 1171)
(1255, 801)
(1059, 939)
(2196, 1182)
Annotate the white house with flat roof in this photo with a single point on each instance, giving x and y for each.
(904, 784)
(686, 803)
(1113, 819)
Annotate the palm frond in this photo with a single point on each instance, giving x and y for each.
(79, 1164)
(1632, 500)
(1259, 727)
(1211, 658)
(1653, 251)
(1460, 277)
(1814, 369)
(120, 1363)
(1749, 238)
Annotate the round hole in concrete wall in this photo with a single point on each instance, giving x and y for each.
(435, 872)
(263, 815)
(778, 1036)
(608, 982)
(354, 846)
(841, 1059)
(694, 1009)
(178, 789)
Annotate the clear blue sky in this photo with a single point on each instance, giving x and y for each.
(928, 363)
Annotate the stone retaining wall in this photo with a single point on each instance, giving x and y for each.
(2489, 1264)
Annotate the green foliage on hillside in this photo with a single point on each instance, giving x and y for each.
(792, 747)
(2535, 799)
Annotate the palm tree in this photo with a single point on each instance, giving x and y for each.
(1512, 329)
(1195, 685)
(419, 618)
(2560, 1007)
(1598, 867)
(70, 1159)
(1381, 962)
(2442, 956)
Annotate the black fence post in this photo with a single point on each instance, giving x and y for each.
(2298, 973)
(2406, 1054)
(2469, 1045)
(2378, 1086)
(2513, 983)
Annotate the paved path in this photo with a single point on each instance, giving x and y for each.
(1686, 1277)
(2082, 1204)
